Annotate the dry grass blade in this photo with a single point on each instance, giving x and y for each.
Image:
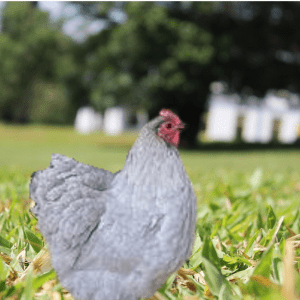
(55, 296)
(7, 259)
(288, 286)
(48, 286)
(183, 272)
(292, 233)
(47, 291)
(158, 296)
(208, 293)
(265, 282)
(42, 264)
(293, 238)
(253, 262)
(188, 297)
(13, 276)
(199, 277)
(184, 281)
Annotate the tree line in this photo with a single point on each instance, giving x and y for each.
(161, 54)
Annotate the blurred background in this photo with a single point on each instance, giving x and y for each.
(82, 78)
(93, 73)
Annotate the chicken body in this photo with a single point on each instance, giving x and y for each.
(117, 236)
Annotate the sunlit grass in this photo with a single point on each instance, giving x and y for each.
(248, 208)
(31, 147)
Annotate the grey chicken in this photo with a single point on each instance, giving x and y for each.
(119, 236)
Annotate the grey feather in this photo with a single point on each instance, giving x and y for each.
(117, 236)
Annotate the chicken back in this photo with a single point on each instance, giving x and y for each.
(119, 236)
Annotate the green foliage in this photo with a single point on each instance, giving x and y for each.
(50, 103)
(35, 242)
(36, 62)
(271, 218)
(154, 52)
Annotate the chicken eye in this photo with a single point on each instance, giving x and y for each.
(169, 126)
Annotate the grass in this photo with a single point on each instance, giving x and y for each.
(247, 238)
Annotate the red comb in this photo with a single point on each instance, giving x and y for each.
(166, 113)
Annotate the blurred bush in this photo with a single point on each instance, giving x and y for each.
(36, 65)
(50, 104)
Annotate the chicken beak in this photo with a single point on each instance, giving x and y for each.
(182, 126)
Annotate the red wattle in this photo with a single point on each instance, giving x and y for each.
(175, 138)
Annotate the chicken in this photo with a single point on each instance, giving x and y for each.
(119, 236)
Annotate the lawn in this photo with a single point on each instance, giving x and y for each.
(247, 239)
